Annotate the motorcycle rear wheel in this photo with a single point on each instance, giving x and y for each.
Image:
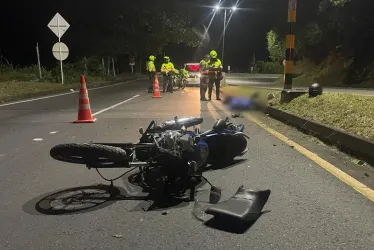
(92, 155)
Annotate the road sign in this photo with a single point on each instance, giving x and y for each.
(58, 25)
(132, 61)
(60, 51)
(292, 4)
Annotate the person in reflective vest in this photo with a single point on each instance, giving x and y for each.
(167, 68)
(204, 77)
(151, 68)
(215, 74)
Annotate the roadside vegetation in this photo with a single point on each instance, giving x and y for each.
(23, 82)
(350, 112)
(334, 44)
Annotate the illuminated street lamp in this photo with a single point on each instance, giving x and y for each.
(231, 9)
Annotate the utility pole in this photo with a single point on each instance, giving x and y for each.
(290, 44)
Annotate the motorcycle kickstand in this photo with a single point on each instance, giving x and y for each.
(193, 189)
(111, 190)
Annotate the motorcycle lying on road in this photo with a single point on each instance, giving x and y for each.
(170, 158)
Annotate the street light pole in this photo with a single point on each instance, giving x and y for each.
(216, 8)
(224, 35)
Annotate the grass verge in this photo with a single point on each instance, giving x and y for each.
(13, 90)
(350, 112)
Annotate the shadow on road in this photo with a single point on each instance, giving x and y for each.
(235, 163)
(86, 199)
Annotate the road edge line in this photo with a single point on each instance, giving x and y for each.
(341, 175)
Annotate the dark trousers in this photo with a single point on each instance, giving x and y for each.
(212, 82)
(166, 83)
(151, 76)
(203, 86)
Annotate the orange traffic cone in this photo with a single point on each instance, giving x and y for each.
(84, 110)
(156, 89)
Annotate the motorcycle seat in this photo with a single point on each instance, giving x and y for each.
(246, 205)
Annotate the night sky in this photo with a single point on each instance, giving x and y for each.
(24, 23)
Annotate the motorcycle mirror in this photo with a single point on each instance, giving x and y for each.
(141, 130)
(214, 195)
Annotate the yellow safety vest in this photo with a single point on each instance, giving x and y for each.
(166, 67)
(151, 66)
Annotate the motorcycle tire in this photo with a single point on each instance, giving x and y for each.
(92, 155)
(184, 84)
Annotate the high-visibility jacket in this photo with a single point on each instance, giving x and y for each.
(151, 66)
(166, 67)
(184, 72)
(204, 65)
(215, 63)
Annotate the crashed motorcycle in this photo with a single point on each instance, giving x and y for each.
(170, 159)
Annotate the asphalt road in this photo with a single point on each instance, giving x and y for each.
(308, 207)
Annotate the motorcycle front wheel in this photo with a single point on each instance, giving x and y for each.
(184, 84)
(92, 155)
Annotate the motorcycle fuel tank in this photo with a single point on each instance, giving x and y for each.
(176, 125)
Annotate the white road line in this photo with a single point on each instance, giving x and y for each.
(53, 132)
(116, 105)
(38, 139)
(62, 94)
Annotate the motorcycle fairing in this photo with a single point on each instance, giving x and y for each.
(245, 205)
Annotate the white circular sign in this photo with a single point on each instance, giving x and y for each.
(60, 51)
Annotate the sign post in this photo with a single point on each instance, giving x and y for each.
(38, 55)
(59, 26)
(132, 64)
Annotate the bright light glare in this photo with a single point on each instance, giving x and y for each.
(216, 7)
(234, 8)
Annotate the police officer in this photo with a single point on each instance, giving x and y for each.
(151, 68)
(166, 68)
(215, 65)
(204, 78)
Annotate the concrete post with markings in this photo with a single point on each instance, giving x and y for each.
(290, 44)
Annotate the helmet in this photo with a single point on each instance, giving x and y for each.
(207, 57)
(152, 58)
(213, 54)
(166, 59)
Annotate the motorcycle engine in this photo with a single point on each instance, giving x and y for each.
(169, 140)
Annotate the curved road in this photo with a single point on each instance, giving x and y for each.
(308, 208)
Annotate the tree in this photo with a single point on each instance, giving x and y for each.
(140, 27)
(276, 47)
